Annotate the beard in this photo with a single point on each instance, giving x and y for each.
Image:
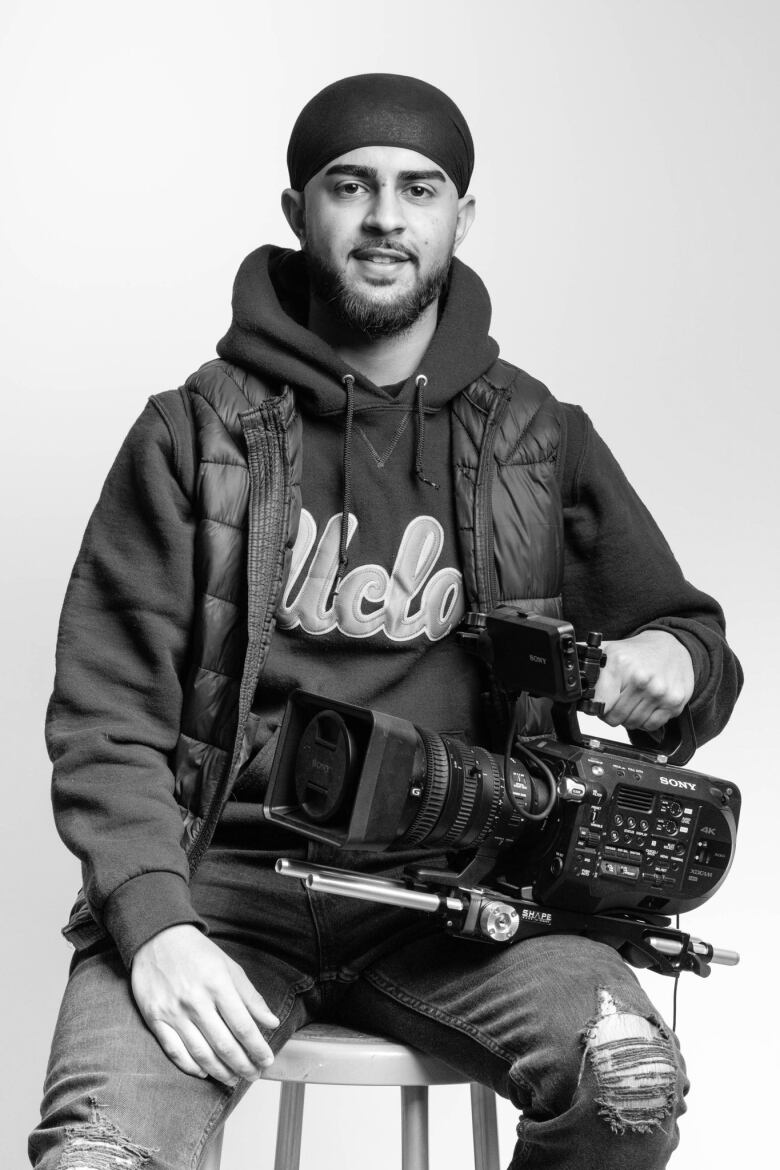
(361, 312)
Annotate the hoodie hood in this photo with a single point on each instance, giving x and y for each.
(268, 335)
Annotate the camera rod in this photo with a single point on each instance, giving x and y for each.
(373, 889)
(493, 917)
(710, 954)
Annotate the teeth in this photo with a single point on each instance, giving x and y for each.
(374, 258)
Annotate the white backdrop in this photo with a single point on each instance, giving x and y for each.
(627, 188)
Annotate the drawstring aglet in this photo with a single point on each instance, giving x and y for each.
(336, 586)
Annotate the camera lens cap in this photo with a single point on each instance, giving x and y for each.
(324, 766)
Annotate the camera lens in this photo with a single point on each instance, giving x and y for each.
(464, 799)
(324, 767)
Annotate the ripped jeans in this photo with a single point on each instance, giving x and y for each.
(557, 1024)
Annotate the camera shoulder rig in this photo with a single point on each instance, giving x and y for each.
(563, 834)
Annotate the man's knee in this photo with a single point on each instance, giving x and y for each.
(607, 1051)
(97, 1144)
(636, 1066)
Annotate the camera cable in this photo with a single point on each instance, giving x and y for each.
(676, 983)
(533, 761)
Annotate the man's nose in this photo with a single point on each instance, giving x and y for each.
(386, 212)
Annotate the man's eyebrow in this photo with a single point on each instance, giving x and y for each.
(371, 173)
(350, 169)
(422, 176)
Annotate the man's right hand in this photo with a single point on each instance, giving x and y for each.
(201, 1006)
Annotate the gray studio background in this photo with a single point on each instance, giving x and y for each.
(627, 191)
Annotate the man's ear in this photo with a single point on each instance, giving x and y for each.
(467, 208)
(294, 212)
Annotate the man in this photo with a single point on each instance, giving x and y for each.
(320, 507)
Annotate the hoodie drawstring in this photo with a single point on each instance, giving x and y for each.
(346, 472)
(420, 383)
(346, 469)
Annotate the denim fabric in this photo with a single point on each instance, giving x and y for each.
(517, 1018)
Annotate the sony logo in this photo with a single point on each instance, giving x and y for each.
(687, 784)
(537, 658)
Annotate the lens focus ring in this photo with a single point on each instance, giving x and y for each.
(435, 790)
(472, 786)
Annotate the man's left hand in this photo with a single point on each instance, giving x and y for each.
(647, 681)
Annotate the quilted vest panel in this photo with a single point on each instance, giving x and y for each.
(222, 398)
(506, 439)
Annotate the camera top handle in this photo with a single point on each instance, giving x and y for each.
(540, 656)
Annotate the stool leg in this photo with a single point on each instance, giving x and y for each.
(414, 1127)
(212, 1155)
(484, 1127)
(289, 1126)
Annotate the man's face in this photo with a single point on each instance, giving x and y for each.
(379, 226)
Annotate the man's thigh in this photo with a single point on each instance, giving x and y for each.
(526, 1019)
(110, 1085)
(110, 1089)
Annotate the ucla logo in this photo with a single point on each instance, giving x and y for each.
(371, 600)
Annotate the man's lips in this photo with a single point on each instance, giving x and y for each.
(376, 255)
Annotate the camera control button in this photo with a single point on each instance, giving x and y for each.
(617, 869)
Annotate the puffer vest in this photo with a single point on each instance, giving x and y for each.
(247, 436)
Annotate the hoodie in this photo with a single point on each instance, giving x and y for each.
(375, 585)
(125, 632)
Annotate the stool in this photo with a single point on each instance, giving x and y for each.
(325, 1054)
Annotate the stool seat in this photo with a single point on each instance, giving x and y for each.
(327, 1054)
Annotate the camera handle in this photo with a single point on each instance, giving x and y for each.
(644, 745)
(513, 651)
(486, 916)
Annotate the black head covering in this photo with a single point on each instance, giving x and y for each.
(380, 109)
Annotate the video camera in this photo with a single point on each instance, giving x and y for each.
(560, 834)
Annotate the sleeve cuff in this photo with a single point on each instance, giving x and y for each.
(144, 906)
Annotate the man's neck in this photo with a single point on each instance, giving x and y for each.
(383, 360)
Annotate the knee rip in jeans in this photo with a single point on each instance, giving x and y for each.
(634, 1066)
(99, 1145)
